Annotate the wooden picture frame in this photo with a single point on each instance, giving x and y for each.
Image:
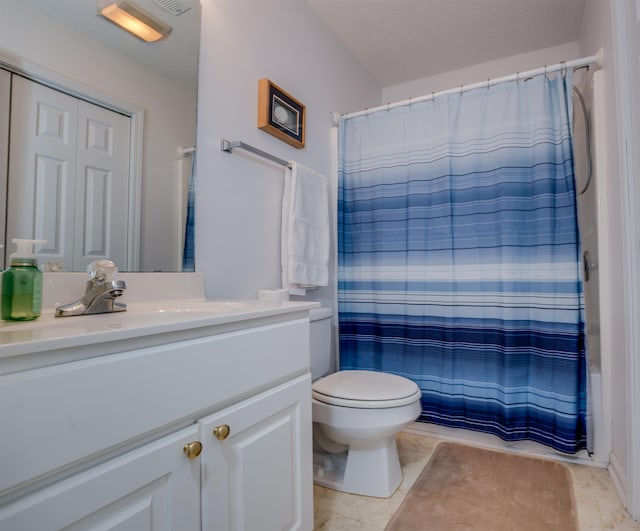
(280, 114)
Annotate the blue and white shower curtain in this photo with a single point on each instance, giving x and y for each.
(459, 259)
(188, 250)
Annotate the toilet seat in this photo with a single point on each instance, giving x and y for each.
(365, 390)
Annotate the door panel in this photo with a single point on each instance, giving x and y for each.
(42, 169)
(68, 176)
(102, 187)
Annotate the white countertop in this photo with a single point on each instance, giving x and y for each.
(140, 319)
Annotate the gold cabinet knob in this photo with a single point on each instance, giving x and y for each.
(221, 432)
(192, 449)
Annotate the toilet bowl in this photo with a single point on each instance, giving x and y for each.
(356, 416)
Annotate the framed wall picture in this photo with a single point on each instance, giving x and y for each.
(279, 114)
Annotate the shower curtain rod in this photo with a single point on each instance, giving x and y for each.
(577, 63)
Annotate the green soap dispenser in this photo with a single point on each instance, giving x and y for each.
(22, 284)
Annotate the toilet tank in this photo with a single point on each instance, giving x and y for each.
(320, 338)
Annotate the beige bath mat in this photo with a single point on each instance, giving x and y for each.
(466, 488)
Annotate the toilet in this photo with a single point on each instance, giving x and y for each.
(356, 416)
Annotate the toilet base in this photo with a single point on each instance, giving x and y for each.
(370, 469)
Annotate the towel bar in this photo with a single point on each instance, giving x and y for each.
(229, 145)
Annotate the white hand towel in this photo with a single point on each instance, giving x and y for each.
(305, 230)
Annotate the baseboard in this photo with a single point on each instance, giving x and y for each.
(619, 478)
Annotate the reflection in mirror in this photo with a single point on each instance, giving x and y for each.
(95, 67)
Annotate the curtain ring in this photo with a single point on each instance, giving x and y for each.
(545, 70)
(488, 80)
(388, 103)
(564, 68)
(409, 102)
(366, 112)
(433, 95)
(517, 77)
(461, 86)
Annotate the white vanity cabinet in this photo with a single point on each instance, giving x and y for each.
(93, 436)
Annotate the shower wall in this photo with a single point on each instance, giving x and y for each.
(587, 211)
(588, 151)
(606, 223)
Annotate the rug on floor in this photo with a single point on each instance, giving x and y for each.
(468, 488)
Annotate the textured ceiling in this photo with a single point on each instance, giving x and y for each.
(402, 40)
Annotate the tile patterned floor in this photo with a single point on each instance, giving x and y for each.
(597, 502)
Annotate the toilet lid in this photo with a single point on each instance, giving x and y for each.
(365, 389)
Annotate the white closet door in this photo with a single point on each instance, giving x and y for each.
(5, 101)
(68, 176)
(42, 169)
(102, 188)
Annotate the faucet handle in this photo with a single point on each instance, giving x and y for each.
(102, 270)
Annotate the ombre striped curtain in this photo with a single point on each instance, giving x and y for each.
(188, 250)
(459, 258)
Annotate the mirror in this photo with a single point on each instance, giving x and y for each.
(66, 45)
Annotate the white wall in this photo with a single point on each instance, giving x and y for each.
(481, 72)
(170, 113)
(597, 33)
(626, 50)
(238, 206)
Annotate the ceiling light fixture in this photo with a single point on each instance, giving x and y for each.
(134, 19)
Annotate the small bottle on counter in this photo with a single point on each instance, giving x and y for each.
(22, 284)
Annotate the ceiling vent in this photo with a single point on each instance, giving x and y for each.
(173, 6)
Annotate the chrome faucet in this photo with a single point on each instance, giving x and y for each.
(100, 294)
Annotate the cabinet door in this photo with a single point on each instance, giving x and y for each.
(155, 487)
(259, 477)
